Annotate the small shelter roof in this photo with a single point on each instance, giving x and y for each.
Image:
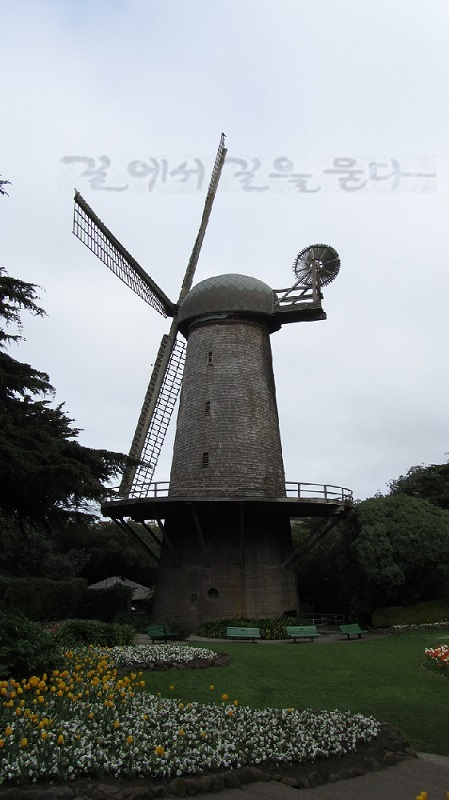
(140, 592)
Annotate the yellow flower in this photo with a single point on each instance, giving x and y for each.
(116, 724)
(90, 715)
(211, 687)
(8, 731)
(181, 732)
(44, 734)
(129, 739)
(18, 712)
(2, 742)
(171, 687)
(60, 739)
(225, 697)
(159, 750)
(236, 702)
(24, 742)
(181, 706)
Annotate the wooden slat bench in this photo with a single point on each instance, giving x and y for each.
(352, 630)
(243, 633)
(302, 632)
(160, 633)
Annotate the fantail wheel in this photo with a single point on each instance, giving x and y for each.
(321, 258)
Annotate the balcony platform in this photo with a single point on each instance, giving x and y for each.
(301, 500)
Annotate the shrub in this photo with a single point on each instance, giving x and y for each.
(105, 604)
(139, 622)
(176, 624)
(427, 612)
(42, 599)
(269, 628)
(75, 632)
(25, 648)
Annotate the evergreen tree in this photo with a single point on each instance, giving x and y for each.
(46, 476)
(429, 482)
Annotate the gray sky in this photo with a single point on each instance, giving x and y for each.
(362, 396)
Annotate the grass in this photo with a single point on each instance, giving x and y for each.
(382, 677)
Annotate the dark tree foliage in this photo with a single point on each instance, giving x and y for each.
(109, 551)
(402, 547)
(389, 551)
(428, 482)
(46, 476)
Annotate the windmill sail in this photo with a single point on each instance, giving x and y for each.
(208, 203)
(150, 442)
(166, 378)
(92, 232)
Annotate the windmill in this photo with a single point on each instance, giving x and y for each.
(225, 519)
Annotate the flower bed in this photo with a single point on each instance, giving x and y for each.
(87, 721)
(437, 659)
(169, 654)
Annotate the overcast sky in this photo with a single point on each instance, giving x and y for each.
(299, 87)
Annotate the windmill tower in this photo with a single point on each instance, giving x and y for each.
(225, 518)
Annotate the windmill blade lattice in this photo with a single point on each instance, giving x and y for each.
(92, 232)
(320, 259)
(135, 480)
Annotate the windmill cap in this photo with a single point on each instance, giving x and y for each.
(227, 294)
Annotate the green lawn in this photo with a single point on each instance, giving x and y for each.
(382, 677)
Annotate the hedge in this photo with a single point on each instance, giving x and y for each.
(429, 612)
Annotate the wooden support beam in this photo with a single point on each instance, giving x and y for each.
(166, 537)
(129, 530)
(200, 533)
(151, 532)
(311, 540)
(242, 537)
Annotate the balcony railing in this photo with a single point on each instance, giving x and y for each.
(300, 490)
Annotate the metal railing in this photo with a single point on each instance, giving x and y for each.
(323, 493)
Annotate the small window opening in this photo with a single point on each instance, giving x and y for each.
(210, 359)
(213, 594)
(207, 408)
(205, 461)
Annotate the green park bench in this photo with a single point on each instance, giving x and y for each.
(160, 633)
(243, 633)
(352, 630)
(302, 632)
